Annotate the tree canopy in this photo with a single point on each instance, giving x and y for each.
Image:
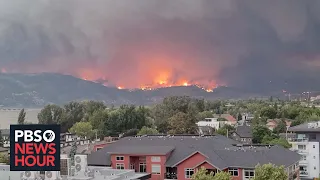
(270, 172)
(148, 131)
(178, 115)
(202, 174)
(82, 129)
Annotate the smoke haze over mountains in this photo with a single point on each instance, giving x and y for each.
(243, 43)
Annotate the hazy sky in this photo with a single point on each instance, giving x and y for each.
(246, 43)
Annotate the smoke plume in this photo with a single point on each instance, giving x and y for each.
(242, 43)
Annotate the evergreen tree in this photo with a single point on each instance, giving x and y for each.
(239, 117)
(22, 117)
(1, 139)
(73, 152)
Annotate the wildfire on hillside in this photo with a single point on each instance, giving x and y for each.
(164, 84)
(162, 81)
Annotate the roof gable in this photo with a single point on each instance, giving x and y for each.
(184, 159)
(204, 162)
(244, 131)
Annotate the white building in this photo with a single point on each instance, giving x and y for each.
(306, 143)
(80, 171)
(211, 122)
(309, 151)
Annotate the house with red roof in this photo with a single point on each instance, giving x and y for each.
(273, 123)
(229, 118)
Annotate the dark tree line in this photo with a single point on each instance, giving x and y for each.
(175, 115)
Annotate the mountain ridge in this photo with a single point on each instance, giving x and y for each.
(37, 90)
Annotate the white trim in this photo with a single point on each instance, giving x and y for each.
(188, 169)
(155, 157)
(189, 157)
(233, 170)
(142, 163)
(120, 164)
(205, 161)
(119, 157)
(244, 173)
(158, 166)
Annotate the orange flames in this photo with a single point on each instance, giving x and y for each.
(161, 79)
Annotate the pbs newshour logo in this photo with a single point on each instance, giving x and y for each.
(35, 147)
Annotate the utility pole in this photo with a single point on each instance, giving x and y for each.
(289, 96)
(227, 133)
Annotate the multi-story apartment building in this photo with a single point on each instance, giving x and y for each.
(179, 157)
(306, 143)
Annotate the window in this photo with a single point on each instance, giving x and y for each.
(188, 173)
(248, 174)
(155, 169)
(312, 136)
(302, 147)
(131, 166)
(155, 159)
(119, 166)
(233, 172)
(314, 146)
(303, 158)
(119, 158)
(314, 157)
(142, 167)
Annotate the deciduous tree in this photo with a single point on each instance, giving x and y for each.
(268, 112)
(205, 114)
(281, 127)
(82, 129)
(259, 132)
(202, 174)
(148, 131)
(182, 123)
(97, 120)
(270, 172)
(51, 114)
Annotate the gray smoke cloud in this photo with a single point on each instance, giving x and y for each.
(270, 44)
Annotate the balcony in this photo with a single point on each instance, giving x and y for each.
(299, 139)
(300, 151)
(303, 162)
(303, 173)
(171, 173)
(171, 176)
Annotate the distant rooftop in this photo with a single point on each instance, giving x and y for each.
(244, 131)
(306, 127)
